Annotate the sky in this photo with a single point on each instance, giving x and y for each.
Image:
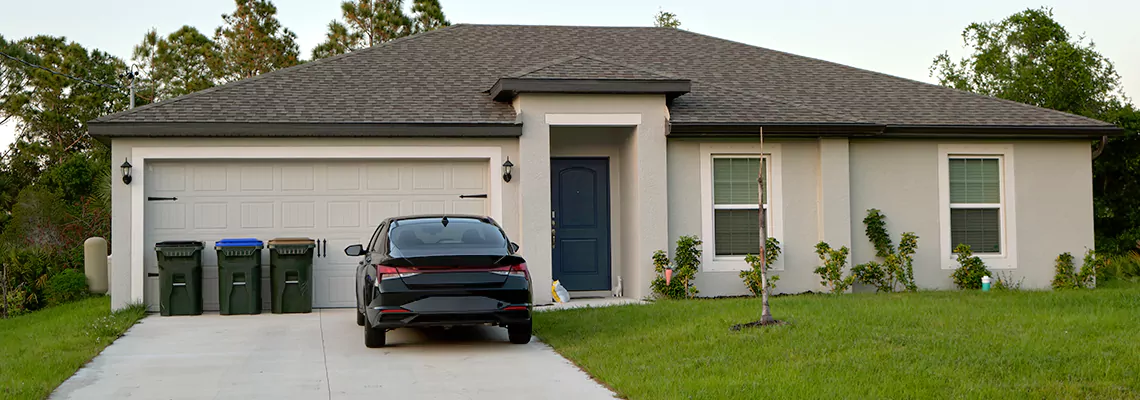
(897, 37)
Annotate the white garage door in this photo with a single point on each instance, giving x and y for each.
(340, 202)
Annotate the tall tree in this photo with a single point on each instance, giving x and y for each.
(428, 15)
(665, 19)
(252, 41)
(1029, 57)
(183, 62)
(367, 23)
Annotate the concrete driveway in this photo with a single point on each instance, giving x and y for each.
(320, 356)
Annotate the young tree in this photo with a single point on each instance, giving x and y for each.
(765, 310)
(252, 41)
(427, 15)
(183, 62)
(665, 19)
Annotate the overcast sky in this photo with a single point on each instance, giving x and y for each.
(898, 37)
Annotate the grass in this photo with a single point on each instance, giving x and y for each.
(1031, 344)
(38, 351)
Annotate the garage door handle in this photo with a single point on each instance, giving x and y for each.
(473, 196)
(292, 282)
(161, 199)
(179, 284)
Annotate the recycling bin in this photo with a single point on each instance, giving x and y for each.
(291, 275)
(239, 276)
(180, 277)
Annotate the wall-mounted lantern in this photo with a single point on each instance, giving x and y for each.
(125, 169)
(507, 170)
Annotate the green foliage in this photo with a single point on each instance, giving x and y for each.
(367, 23)
(831, 272)
(1125, 267)
(686, 262)
(1003, 281)
(970, 270)
(897, 266)
(252, 41)
(1116, 186)
(66, 286)
(30, 272)
(427, 15)
(751, 276)
(1065, 275)
(183, 62)
(665, 19)
(16, 299)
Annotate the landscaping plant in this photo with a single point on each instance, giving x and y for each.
(66, 286)
(831, 272)
(970, 270)
(1066, 277)
(686, 261)
(751, 276)
(896, 269)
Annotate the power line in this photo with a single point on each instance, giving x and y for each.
(99, 84)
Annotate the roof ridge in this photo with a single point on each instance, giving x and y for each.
(886, 75)
(276, 72)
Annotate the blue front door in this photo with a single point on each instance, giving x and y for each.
(580, 222)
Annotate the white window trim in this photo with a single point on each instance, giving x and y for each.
(1007, 259)
(709, 260)
(140, 156)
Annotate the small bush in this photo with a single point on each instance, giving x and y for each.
(897, 266)
(685, 265)
(66, 286)
(1004, 281)
(831, 272)
(970, 270)
(1065, 275)
(16, 299)
(751, 276)
(1121, 267)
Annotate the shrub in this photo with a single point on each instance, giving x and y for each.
(751, 276)
(66, 286)
(1065, 275)
(831, 272)
(31, 269)
(16, 299)
(687, 259)
(1120, 267)
(1004, 281)
(970, 270)
(897, 266)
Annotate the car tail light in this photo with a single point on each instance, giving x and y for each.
(387, 272)
(518, 270)
(515, 308)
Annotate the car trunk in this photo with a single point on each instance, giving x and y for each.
(454, 271)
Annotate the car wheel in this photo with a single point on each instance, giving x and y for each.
(519, 333)
(359, 318)
(373, 337)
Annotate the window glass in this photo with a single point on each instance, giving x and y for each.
(430, 237)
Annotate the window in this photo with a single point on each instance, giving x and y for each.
(976, 201)
(730, 213)
(430, 237)
(736, 213)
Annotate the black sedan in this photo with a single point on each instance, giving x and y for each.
(437, 270)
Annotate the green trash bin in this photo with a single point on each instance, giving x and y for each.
(180, 277)
(291, 274)
(239, 276)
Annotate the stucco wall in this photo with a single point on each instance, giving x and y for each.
(121, 222)
(1053, 197)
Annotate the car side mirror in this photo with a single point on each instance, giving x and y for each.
(514, 247)
(355, 250)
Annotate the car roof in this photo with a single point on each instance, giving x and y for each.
(483, 218)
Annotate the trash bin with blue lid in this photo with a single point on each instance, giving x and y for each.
(239, 275)
(291, 275)
(180, 277)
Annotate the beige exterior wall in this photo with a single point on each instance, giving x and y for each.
(121, 223)
(1052, 196)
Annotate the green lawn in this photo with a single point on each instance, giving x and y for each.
(1072, 344)
(40, 350)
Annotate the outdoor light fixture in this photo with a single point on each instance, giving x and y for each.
(507, 170)
(126, 171)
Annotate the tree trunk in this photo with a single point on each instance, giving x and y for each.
(765, 312)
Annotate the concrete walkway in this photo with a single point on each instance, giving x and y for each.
(320, 356)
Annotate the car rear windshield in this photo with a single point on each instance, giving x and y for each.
(431, 237)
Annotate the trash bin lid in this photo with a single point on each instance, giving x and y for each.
(291, 241)
(238, 242)
(179, 243)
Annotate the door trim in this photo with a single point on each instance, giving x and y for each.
(609, 214)
(141, 155)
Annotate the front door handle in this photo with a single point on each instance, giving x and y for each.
(552, 238)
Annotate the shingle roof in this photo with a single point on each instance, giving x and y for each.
(442, 77)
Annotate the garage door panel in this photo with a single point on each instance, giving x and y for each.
(338, 201)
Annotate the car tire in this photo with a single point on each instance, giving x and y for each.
(373, 337)
(359, 318)
(519, 333)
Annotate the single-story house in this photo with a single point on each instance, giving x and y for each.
(621, 141)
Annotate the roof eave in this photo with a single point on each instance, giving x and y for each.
(780, 129)
(505, 89)
(104, 131)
